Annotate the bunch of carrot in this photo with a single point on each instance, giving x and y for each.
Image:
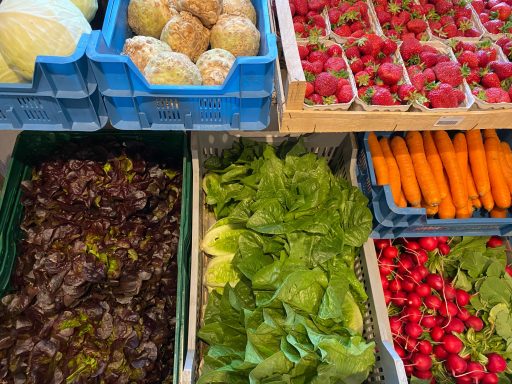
(448, 177)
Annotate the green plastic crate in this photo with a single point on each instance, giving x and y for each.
(34, 147)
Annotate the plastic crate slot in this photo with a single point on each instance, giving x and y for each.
(37, 115)
(210, 116)
(2, 115)
(210, 103)
(167, 116)
(30, 102)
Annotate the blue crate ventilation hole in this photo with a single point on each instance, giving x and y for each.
(242, 102)
(62, 96)
(391, 221)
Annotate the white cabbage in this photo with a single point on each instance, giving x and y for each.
(31, 28)
(88, 7)
(7, 75)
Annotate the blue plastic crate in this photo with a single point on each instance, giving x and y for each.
(242, 102)
(391, 221)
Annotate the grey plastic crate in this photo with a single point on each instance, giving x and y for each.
(340, 149)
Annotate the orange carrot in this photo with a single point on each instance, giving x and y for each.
(379, 162)
(407, 175)
(431, 210)
(424, 175)
(436, 164)
(402, 202)
(490, 133)
(498, 213)
(478, 161)
(393, 171)
(461, 151)
(505, 166)
(472, 192)
(447, 152)
(477, 203)
(466, 212)
(487, 201)
(499, 188)
(446, 208)
(508, 152)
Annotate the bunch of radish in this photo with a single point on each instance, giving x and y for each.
(430, 319)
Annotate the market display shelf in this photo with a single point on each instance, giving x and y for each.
(242, 102)
(34, 147)
(294, 117)
(62, 96)
(340, 150)
(391, 221)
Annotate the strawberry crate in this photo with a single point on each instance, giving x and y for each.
(471, 19)
(312, 35)
(348, 13)
(495, 34)
(390, 221)
(469, 99)
(337, 106)
(340, 150)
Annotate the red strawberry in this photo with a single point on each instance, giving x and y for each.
(462, 11)
(496, 95)
(389, 47)
(301, 7)
(417, 25)
(429, 75)
(407, 92)
(473, 77)
(345, 94)
(343, 30)
(318, 56)
(459, 95)
(356, 65)
(443, 97)
(383, 16)
(328, 100)
(362, 78)
(494, 26)
(317, 67)
(335, 64)
(409, 48)
(449, 72)
(469, 58)
(318, 21)
(390, 73)
(429, 59)
(478, 5)
(491, 80)
(362, 91)
(317, 5)
(501, 11)
(510, 92)
(334, 50)
(325, 84)
(307, 66)
(450, 30)
(419, 81)
(316, 99)
(483, 58)
(352, 52)
(503, 70)
(299, 29)
(413, 70)
(472, 32)
(309, 88)
(443, 6)
(484, 17)
(341, 82)
(303, 51)
(334, 15)
(507, 50)
(382, 96)
(441, 58)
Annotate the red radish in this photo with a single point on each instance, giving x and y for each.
(386, 268)
(449, 292)
(490, 378)
(387, 296)
(412, 246)
(390, 252)
(413, 330)
(428, 321)
(425, 347)
(452, 344)
(399, 350)
(508, 269)
(456, 364)
(421, 256)
(496, 363)
(410, 344)
(476, 371)
(405, 265)
(475, 323)
(428, 243)
(463, 314)
(423, 375)
(384, 281)
(395, 324)
(395, 285)
(408, 285)
(412, 314)
(442, 239)
(437, 333)
(448, 309)
(494, 242)
(409, 369)
(454, 325)
(422, 270)
(382, 243)
(423, 290)
(440, 320)
(421, 361)
(416, 275)
(435, 281)
(433, 302)
(440, 353)
(414, 300)
(464, 380)
(444, 249)
(462, 297)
